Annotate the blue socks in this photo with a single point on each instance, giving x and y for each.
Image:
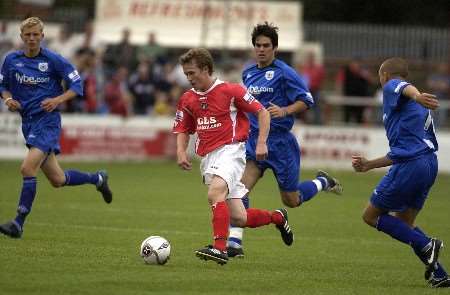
(74, 177)
(440, 271)
(26, 199)
(308, 189)
(401, 231)
(28, 192)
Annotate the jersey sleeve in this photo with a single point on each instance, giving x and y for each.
(69, 74)
(296, 88)
(393, 93)
(243, 99)
(184, 121)
(4, 82)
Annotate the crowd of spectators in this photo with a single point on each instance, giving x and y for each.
(127, 79)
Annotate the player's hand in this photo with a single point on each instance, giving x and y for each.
(276, 111)
(360, 164)
(183, 161)
(49, 104)
(261, 151)
(429, 101)
(13, 105)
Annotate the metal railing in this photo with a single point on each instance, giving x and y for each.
(378, 41)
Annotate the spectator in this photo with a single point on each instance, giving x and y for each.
(87, 66)
(151, 51)
(89, 40)
(314, 74)
(439, 84)
(354, 80)
(117, 97)
(162, 104)
(6, 40)
(142, 87)
(122, 54)
(64, 44)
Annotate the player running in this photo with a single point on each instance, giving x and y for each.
(30, 83)
(405, 187)
(215, 110)
(283, 92)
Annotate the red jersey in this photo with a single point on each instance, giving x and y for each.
(217, 115)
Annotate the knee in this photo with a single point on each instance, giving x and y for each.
(290, 201)
(369, 220)
(238, 220)
(214, 198)
(27, 171)
(57, 181)
(216, 195)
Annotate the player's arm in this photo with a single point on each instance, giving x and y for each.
(264, 128)
(361, 164)
(280, 112)
(182, 157)
(12, 104)
(8, 99)
(49, 104)
(183, 126)
(427, 100)
(67, 72)
(297, 94)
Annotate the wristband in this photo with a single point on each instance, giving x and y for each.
(7, 99)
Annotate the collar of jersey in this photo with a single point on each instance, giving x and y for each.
(217, 82)
(22, 52)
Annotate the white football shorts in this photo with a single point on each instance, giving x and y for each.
(227, 162)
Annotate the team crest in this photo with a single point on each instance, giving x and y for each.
(203, 105)
(43, 66)
(269, 75)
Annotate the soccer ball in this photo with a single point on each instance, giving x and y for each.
(155, 250)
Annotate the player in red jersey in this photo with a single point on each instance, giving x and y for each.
(215, 110)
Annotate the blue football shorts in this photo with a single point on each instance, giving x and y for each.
(43, 132)
(283, 159)
(406, 184)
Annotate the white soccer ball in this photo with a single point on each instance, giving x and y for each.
(155, 250)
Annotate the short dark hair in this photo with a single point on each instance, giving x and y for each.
(395, 66)
(200, 56)
(267, 30)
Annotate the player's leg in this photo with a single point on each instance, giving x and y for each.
(418, 185)
(29, 170)
(286, 167)
(389, 196)
(217, 192)
(251, 175)
(409, 217)
(395, 227)
(58, 177)
(252, 217)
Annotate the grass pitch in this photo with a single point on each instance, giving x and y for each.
(74, 243)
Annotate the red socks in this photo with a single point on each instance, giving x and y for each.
(255, 218)
(258, 217)
(221, 222)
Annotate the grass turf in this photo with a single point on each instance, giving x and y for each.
(74, 243)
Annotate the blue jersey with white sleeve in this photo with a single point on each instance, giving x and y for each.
(33, 79)
(279, 84)
(409, 126)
